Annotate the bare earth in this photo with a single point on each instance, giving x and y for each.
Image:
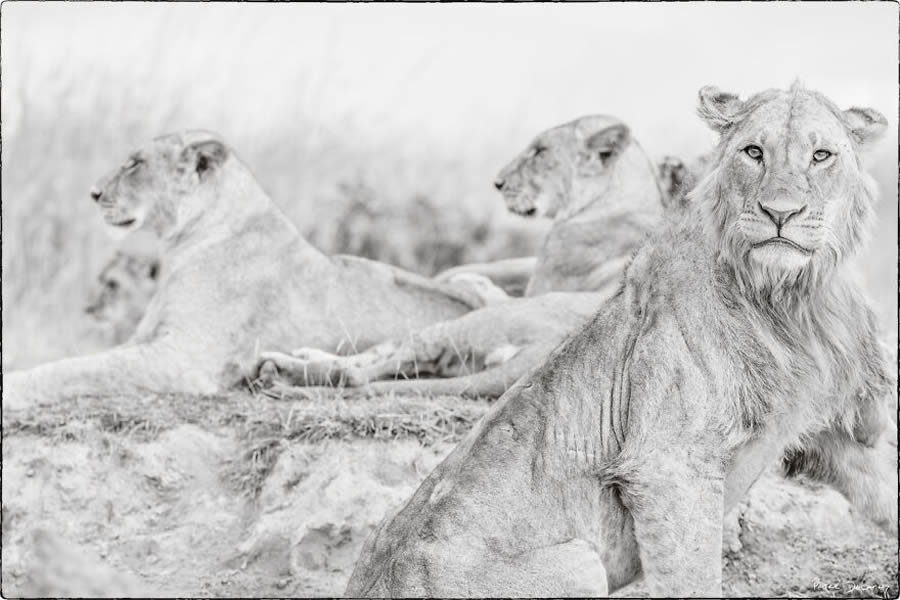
(247, 495)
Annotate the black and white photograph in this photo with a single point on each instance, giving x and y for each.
(449, 300)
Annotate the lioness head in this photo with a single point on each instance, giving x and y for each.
(157, 187)
(567, 167)
(673, 178)
(785, 189)
(123, 290)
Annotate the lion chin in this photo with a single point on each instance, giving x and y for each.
(780, 254)
(524, 207)
(120, 226)
(119, 231)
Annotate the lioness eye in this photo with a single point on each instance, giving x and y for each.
(820, 155)
(754, 152)
(537, 150)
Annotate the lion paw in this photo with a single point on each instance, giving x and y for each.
(732, 529)
(268, 374)
(307, 372)
(482, 286)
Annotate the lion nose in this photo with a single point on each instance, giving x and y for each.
(781, 216)
(499, 183)
(95, 194)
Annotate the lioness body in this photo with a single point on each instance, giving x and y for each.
(621, 453)
(236, 277)
(603, 209)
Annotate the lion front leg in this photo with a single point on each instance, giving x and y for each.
(678, 515)
(866, 476)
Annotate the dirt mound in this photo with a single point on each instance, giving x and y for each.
(249, 495)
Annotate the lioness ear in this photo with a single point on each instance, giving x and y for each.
(866, 124)
(608, 142)
(718, 108)
(206, 155)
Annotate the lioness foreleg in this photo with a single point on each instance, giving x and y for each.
(123, 370)
(309, 366)
(447, 349)
(490, 383)
(511, 274)
(431, 351)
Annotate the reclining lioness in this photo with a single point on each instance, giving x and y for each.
(236, 276)
(738, 338)
(594, 180)
(602, 191)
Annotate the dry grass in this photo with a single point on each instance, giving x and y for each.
(263, 425)
(265, 434)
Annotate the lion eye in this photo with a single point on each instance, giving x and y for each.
(820, 155)
(754, 152)
(132, 163)
(537, 151)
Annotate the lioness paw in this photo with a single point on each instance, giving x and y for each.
(500, 355)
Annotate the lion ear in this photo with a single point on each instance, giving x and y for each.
(205, 156)
(866, 124)
(718, 108)
(608, 142)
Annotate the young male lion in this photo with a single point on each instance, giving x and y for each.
(600, 188)
(236, 276)
(738, 338)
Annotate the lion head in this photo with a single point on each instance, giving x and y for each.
(673, 177)
(571, 165)
(785, 190)
(160, 187)
(123, 291)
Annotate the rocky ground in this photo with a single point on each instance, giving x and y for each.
(248, 495)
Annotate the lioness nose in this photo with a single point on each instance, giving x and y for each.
(499, 183)
(95, 194)
(781, 216)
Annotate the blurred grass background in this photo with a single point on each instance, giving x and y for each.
(378, 129)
